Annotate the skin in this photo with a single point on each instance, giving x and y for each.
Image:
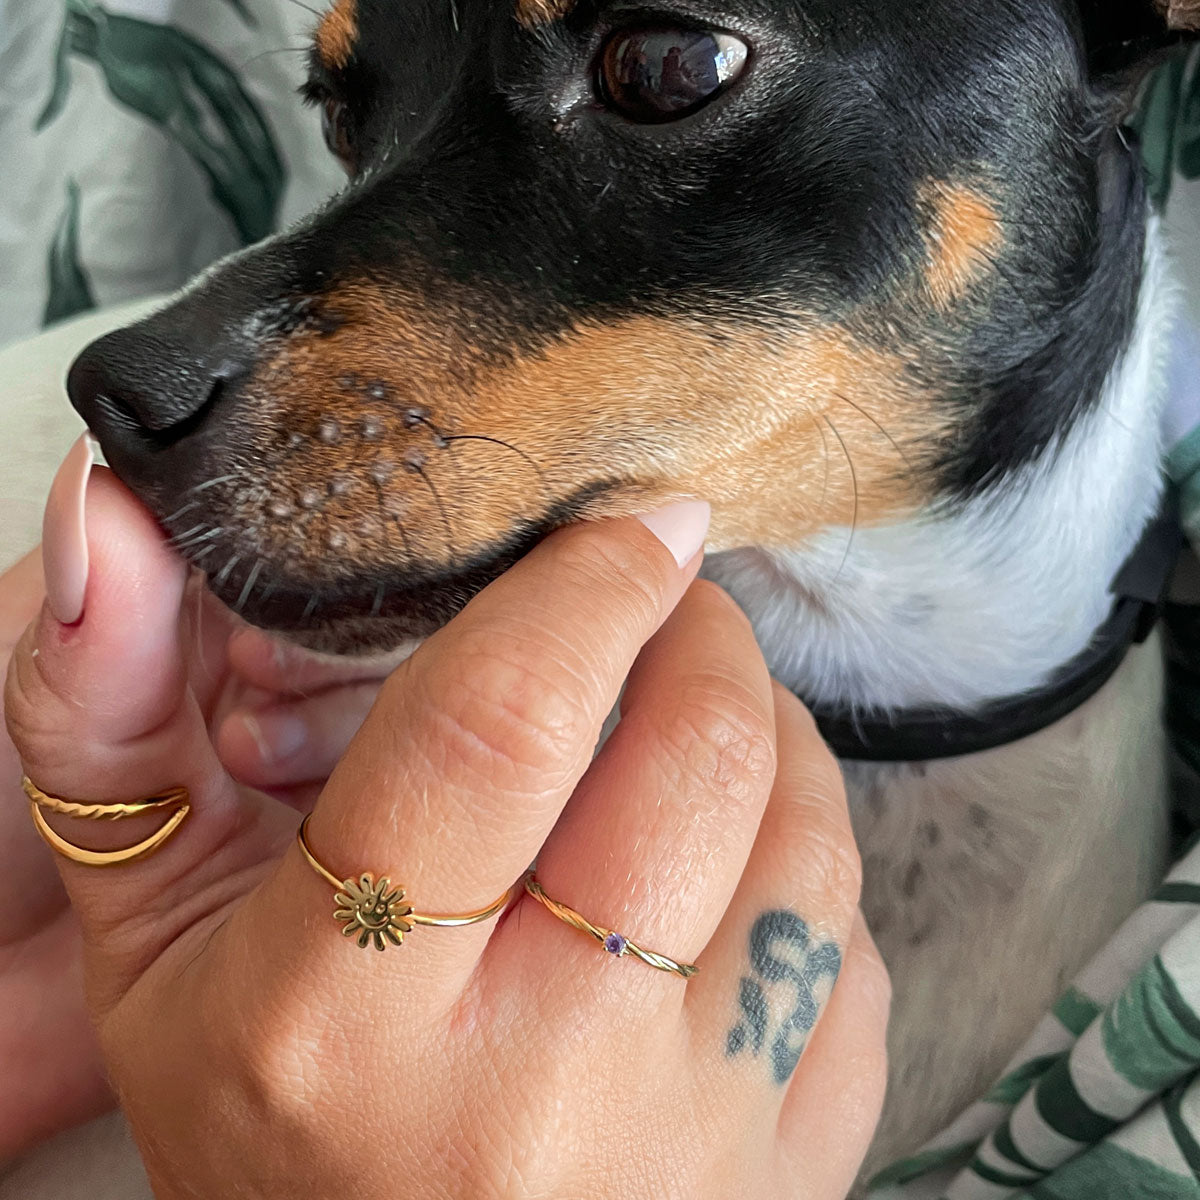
(43, 1018)
(43, 1012)
(259, 691)
(511, 1058)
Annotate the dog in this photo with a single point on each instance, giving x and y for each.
(877, 278)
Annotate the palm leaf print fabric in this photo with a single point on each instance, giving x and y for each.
(144, 140)
(174, 81)
(1103, 1102)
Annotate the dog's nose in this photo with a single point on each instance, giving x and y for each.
(139, 392)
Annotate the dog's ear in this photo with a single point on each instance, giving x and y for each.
(1127, 37)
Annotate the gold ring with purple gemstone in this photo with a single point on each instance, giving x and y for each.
(376, 912)
(613, 942)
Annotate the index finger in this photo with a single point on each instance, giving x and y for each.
(476, 742)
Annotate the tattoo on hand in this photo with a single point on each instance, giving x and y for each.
(782, 951)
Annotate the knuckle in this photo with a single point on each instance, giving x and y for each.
(818, 843)
(493, 711)
(722, 604)
(819, 775)
(609, 571)
(33, 720)
(787, 702)
(271, 1063)
(720, 736)
(833, 865)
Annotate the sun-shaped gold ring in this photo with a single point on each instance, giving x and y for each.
(376, 912)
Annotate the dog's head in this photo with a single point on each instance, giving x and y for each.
(817, 261)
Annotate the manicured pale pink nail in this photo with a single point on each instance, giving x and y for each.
(682, 528)
(64, 534)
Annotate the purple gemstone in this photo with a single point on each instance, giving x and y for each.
(615, 943)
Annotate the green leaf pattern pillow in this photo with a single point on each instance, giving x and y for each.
(144, 139)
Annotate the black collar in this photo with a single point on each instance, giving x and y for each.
(922, 734)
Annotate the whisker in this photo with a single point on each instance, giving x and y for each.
(270, 53)
(441, 507)
(389, 519)
(439, 438)
(180, 511)
(203, 487)
(309, 608)
(226, 569)
(319, 15)
(179, 538)
(377, 606)
(825, 460)
(408, 550)
(185, 547)
(859, 409)
(854, 479)
(479, 437)
(248, 586)
(1112, 416)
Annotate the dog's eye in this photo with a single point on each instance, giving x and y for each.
(335, 127)
(653, 75)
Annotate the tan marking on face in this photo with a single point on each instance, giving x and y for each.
(532, 13)
(963, 236)
(1181, 14)
(785, 431)
(337, 33)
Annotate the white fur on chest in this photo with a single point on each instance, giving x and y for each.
(960, 605)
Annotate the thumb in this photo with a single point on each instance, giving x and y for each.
(100, 712)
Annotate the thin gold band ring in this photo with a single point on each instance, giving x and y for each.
(613, 942)
(174, 798)
(376, 912)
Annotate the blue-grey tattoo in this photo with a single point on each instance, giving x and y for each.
(782, 951)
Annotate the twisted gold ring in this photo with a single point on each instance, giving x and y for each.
(175, 798)
(376, 912)
(615, 943)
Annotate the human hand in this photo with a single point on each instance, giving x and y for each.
(254, 692)
(510, 1058)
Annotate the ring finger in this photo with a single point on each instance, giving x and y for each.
(658, 831)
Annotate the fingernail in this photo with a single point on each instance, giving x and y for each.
(277, 735)
(682, 528)
(64, 534)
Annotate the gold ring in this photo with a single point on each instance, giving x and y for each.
(613, 942)
(175, 798)
(376, 912)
